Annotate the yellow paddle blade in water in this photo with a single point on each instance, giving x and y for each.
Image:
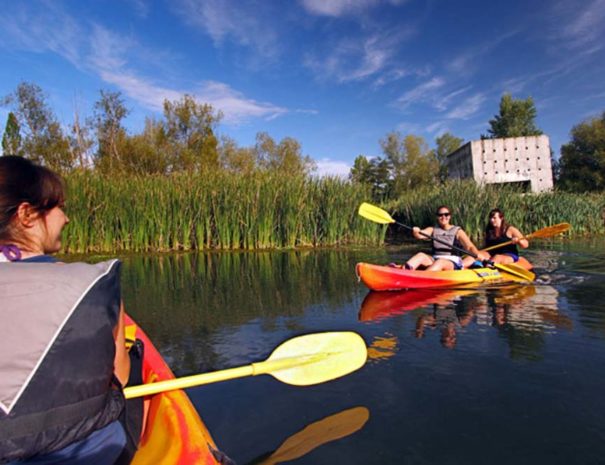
(301, 361)
(375, 214)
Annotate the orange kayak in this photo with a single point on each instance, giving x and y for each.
(387, 278)
(174, 434)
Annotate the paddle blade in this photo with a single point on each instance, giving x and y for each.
(315, 358)
(550, 231)
(516, 271)
(375, 214)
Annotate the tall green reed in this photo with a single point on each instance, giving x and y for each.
(220, 211)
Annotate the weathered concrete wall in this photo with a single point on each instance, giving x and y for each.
(515, 159)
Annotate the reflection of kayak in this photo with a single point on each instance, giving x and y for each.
(387, 278)
(379, 305)
(175, 433)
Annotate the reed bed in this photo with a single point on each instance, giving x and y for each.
(221, 211)
(470, 204)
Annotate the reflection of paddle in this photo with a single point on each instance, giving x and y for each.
(328, 429)
(378, 215)
(301, 361)
(540, 233)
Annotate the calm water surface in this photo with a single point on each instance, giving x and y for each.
(510, 374)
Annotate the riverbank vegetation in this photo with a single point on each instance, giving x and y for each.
(218, 211)
(179, 185)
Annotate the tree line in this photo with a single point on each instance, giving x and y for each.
(185, 139)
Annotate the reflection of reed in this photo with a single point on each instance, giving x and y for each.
(182, 297)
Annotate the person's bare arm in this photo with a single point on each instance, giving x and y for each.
(517, 237)
(121, 362)
(422, 234)
(467, 243)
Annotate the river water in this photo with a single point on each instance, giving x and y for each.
(499, 375)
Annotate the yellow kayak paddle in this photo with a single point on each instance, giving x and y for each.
(300, 361)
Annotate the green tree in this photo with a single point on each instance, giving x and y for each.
(446, 144)
(109, 112)
(284, 158)
(374, 173)
(582, 163)
(43, 141)
(190, 133)
(145, 153)
(516, 119)
(413, 163)
(11, 139)
(236, 159)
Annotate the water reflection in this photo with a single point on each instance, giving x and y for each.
(318, 433)
(196, 295)
(521, 313)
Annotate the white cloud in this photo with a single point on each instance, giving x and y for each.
(586, 27)
(438, 128)
(233, 20)
(355, 59)
(328, 167)
(408, 128)
(112, 57)
(337, 8)
(466, 62)
(467, 108)
(422, 92)
(443, 103)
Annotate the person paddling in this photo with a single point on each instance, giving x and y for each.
(498, 231)
(67, 408)
(443, 256)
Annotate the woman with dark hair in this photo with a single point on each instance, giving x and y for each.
(66, 406)
(443, 255)
(498, 231)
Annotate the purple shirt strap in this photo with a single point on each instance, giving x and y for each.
(11, 252)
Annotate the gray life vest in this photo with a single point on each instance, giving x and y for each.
(56, 354)
(447, 239)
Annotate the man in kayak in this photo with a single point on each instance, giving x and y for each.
(68, 410)
(443, 257)
(498, 231)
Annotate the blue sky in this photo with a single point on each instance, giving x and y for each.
(337, 75)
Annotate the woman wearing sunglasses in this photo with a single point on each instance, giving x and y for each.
(443, 257)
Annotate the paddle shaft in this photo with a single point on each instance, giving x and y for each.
(207, 378)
